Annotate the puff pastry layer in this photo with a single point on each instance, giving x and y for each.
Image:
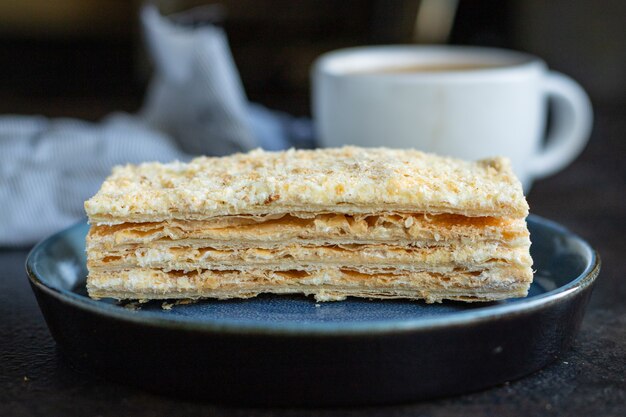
(375, 223)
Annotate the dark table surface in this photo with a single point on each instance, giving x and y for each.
(589, 197)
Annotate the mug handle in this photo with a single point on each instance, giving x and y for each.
(571, 126)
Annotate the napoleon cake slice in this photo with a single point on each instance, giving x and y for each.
(375, 223)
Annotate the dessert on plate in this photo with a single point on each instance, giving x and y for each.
(333, 223)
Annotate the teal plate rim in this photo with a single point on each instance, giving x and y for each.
(454, 319)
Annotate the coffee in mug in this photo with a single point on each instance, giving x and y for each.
(404, 69)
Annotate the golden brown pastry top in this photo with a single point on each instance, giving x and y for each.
(347, 180)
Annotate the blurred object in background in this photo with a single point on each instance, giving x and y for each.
(434, 20)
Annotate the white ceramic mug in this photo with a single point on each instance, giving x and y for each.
(494, 103)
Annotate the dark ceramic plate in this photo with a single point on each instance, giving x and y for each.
(282, 350)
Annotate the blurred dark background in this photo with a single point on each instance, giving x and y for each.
(84, 58)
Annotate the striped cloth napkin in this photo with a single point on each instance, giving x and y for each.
(195, 105)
